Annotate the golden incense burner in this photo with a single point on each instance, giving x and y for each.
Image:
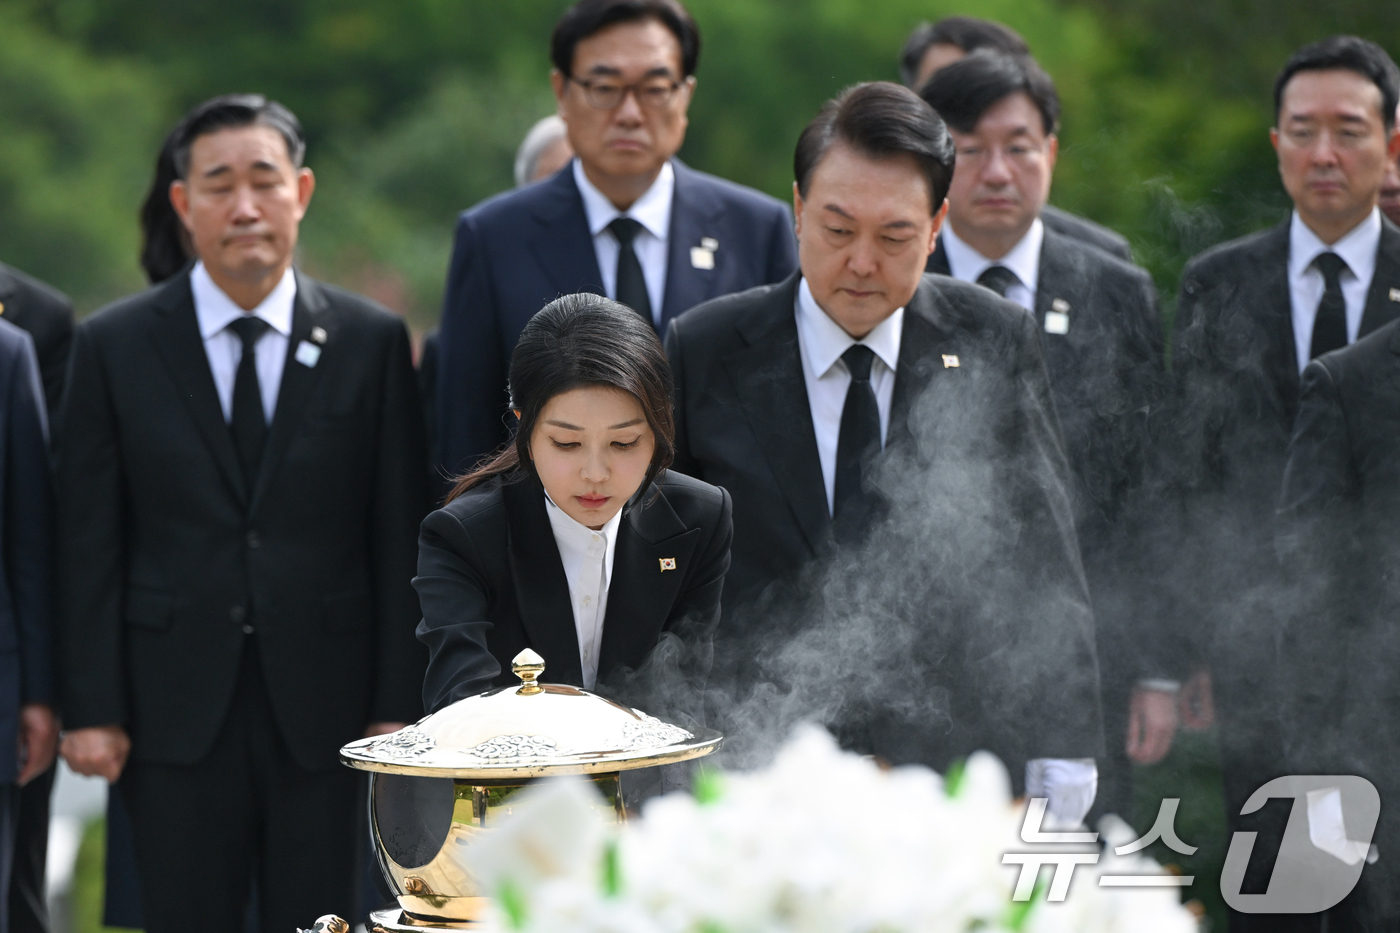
(443, 782)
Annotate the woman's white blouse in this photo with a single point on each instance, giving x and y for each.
(587, 556)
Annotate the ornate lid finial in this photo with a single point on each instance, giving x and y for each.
(528, 666)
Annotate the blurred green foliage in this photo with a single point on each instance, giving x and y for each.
(414, 108)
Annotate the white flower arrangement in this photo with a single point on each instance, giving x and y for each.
(822, 841)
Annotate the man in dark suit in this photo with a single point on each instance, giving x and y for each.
(1252, 313)
(903, 565)
(1338, 653)
(241, 470)
(1103, 346)
(932, 46)
(28, 727)
(624, 218)
(47, 315)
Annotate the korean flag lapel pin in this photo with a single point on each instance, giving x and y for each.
(951, 361)
(667, 563)
(703, 256)
(309, 351)
(1057, 318)
(1395, 294)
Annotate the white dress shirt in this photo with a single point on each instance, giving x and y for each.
(587, 556)
(1305, 285)
(653, 211)
(216, 310)
(822, 341)
(967, 264)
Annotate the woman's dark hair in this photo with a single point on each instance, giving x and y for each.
(165, 243)
(1349, 53)
(966, 32)
(573, 342)
(589, 17)
(880, 120)
(962, 92)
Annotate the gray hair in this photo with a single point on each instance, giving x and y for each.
(542, 135)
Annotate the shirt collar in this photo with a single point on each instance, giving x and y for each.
(571, 534)
(652, 210)
(823, 340)
(967, 264)
(1357, 248)
(216, 310)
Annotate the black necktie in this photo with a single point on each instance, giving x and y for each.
(1330, 326)
(249, 424)
(857, 443)
(998, 279)
(631, 285)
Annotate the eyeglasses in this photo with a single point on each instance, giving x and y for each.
(652, 94)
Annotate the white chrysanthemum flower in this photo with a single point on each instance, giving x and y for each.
(822, 841)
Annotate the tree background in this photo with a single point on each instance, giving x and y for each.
(414, 108)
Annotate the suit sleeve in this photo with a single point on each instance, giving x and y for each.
(1316, 529)
(683, 462)
(29, 517)
(92, 535)
(472, 368)
(401, 500)
(455, 596)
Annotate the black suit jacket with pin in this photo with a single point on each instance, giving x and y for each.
(977, 491)
(518, 251)
(1109, 383)
(47, 315)
(166, 555)
(491, 583)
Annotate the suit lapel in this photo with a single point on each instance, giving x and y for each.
(1383, 299)
(640, 593)
(564, 245)
(693, 218)
(920, 359)
(175, 332)
(298, 381)
(541, 589)
(772, 390)
(1270, 284)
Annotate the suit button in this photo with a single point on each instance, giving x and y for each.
(238, 614)
(254, 542)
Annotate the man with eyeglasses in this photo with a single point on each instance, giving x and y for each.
(1097, 317)
(624, 218)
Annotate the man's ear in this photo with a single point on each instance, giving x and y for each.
(1394, 147)
(796, 209)
(938, 219)
(557, 81)
(180, 200)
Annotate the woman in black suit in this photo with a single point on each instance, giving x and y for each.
(575, 540)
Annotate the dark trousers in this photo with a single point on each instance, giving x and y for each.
(205, 832)
(28, 906)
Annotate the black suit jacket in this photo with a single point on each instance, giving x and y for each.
(47, 315)
(1108, 382)
(1339, 650)
(165, 556)
(962, 604)
(1237, 387)
(520, 250)
(26, 544)
(1086, 231)
(491, 584)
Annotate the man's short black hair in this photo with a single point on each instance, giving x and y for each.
(879, 119)
(966, 32)
(588, 17)
(969, 87)
(230, 111)
(1350, 53)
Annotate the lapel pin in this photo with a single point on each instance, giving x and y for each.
(1394, 296)
(709, 243)
(702, 258)
(667, 563)
(950, 361)
(1057, 318)
(318, 336)
(1060, 305)
(308, 354)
